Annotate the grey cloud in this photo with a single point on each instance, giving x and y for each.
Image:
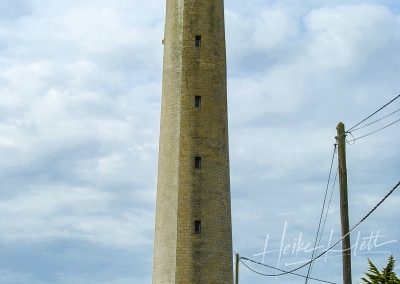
(81, 87)
(14, 9)
(60, 257)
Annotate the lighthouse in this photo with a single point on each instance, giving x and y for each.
(193, 231)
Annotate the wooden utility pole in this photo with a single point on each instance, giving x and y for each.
(344, 208)
(237, 269)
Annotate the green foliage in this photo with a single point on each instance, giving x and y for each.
(387, 276)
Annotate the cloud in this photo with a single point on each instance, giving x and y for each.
(348, 35)
(80, 88)
(273, 29)
(78, 136)
(49, 213)
(11, 10)
(338, 67)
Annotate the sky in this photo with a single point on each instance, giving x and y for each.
(80, 91)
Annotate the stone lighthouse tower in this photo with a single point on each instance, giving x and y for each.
(193, 236)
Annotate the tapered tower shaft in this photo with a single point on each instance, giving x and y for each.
(193, 239)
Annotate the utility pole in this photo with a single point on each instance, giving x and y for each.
(237, 269)
(344, 209)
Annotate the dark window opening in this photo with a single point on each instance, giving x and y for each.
(197, 101)
(197, 162)
(198, 41)
(197, 227)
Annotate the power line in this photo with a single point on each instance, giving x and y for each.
(296, 274)
(322, 211)
(326, 214)
(373, 132)
(329, 205)
(375, 112)
(334, 244)
(375, 121)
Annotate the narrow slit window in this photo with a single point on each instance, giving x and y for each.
(197, 41)
(197, 162)
(197, 101)
(197, 227)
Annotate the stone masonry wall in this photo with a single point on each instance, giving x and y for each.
(186, 194)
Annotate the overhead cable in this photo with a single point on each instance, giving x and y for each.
(326, 215)
(334, 244)
(375, 112)
(375, 121)
(373, 132)
(296, 274)
(322, 211)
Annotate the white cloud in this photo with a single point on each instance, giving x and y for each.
(80, 88)
(345, 36)
(61, 212)
(269, 94)
(273, 29)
